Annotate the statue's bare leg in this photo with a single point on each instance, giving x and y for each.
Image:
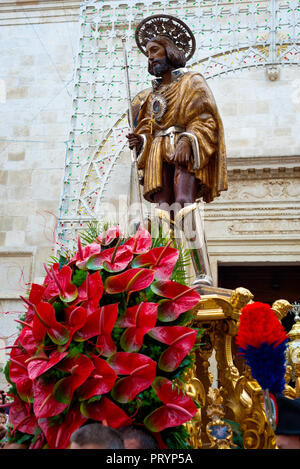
(180, 187)
(185, 186)
(164, 199)
(166, 194)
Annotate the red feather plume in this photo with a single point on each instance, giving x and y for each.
(259, 324)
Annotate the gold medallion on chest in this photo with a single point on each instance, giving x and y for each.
(158, 106)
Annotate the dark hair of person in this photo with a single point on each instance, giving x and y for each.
(98, 434)
(175, 56)
(143, 438)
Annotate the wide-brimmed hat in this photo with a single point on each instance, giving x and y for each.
(168, 26)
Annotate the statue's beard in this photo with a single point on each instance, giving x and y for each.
(160, 67)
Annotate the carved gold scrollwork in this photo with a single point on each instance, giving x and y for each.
(238, 398)
(195, 389)
(281, 308)
(257, 432)
(293, 355)
(219, 432)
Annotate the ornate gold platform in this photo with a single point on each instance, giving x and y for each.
(230, 393)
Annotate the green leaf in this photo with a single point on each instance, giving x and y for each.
(79, 277)
(6, 373)
(62, 393)
(90, 233)
(53, 375)
(59, 311)
(176, 437)
(15, 436)
(94, 399)
(184, 261)
(62, 261)
(116, 333)
(75, 349)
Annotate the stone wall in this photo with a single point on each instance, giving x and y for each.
(256, 220)
(38, 46)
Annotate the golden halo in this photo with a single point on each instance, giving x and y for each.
(166, 25)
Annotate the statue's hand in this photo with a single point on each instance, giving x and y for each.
(134, 140)
(182, 153)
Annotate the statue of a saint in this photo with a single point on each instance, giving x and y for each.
(178, 133)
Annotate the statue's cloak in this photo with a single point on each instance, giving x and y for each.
(191, 107)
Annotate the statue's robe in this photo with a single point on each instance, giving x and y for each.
(190, 106)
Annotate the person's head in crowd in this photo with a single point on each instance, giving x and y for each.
(288, 424)
(96, 436)
(138, 438)
(2, 425)
(15, 446)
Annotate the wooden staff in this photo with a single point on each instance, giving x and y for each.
(130, 119)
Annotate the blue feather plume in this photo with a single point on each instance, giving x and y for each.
(267, 363)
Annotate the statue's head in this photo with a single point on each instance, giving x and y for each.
(163, 55)
(167, 42)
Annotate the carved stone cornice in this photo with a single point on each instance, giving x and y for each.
(263, 167)
(260, 212)
(34, 12)
(271, 190)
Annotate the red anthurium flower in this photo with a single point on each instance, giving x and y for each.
(130, 281)
(58, 283)
(81, 293)
(141, 370)
(91, 327)
(21, 417)
(51, 289)
(139, 320)
(35, 297)
(27, 341)
(93, 290)
(100, 381)
(45, 404)
(162, 260)
(105, 409)
(45, 322)
(100, 323)
(109, 235)
(51, 399)
(75, 319)
(80, 369)
(37, 365)
(18, 372)
(58, 434)
(108, 317)
(39, 442)
(90, 289)
(178, 409)
(181, 299)
(111, 259)
(181, 340)
(84, 253)
(140, 243)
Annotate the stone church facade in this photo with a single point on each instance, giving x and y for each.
(44, 142)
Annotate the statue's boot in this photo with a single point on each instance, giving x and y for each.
(189, 230)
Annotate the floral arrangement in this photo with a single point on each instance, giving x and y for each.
(105, 338)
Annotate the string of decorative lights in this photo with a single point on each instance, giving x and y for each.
(231, 36)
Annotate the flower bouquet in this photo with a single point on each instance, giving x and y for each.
(104, 339)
